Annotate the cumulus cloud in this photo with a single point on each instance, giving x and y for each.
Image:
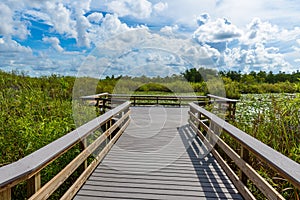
(61, 19)
(110, 27)
(7, 45)
(137, 8)
(169, 30)
(82, 24)
(6, 20)
(139, 49)
(260, 45)
(11, 24)
(219, 30)
(140, 9)
(55, 43)
(215, 40)
(258, 57)
(258, 31)
(66, 18)
(95, 17)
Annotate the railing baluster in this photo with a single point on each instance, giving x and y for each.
(83, 145)
(33, 184)
(5, 194)
(245, 156)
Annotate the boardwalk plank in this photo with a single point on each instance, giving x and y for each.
(158, 157)
(159, 185)
(133, 180)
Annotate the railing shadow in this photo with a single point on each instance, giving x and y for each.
(214, 182)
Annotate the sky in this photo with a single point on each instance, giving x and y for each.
(148, 37)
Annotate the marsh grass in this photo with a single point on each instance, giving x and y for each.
(273, 119)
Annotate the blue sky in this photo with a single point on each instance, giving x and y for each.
(148, 37)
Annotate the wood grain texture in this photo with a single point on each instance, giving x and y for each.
(288, 168)
(158, 157)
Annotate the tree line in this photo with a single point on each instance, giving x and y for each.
(202, 74)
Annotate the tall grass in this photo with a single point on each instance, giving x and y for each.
(274, 120)
(33, 113)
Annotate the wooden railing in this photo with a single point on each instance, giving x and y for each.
(101, 101)
(105, 101)
(228, 105)
(166, 100)
(208, 127)
(28, 169)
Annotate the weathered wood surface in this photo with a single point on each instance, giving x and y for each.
(158, 157)
(288, 168)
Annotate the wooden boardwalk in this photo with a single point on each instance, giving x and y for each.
(158, 157)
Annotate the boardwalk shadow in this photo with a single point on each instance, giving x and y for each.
(213, 180)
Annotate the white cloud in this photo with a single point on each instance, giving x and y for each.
(219, 30)
(258, 31)
(36, 15)
(82, 24)
(61, 19)
(141, 48)
(257, 57)
(55, 43)
(6, 20)
(280, 12)
(95, 17)
(159, 7)
(7, 46)
(80, 5)
(259, 34)
(184, 12)
(169, 30)
(110, 27)
(11, 24)
(137, 8)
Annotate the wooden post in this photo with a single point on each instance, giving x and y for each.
(230, 111)
(98, 105)
(110, 124)
(133, 100)
(103, 106)
(33, 184)
(245, 157)
(5, 194)
(199, 117)
(83, 145)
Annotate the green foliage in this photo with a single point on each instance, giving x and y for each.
(153, 87)
(274, 120)
(200, 80)
(199, 75)
(33, 113)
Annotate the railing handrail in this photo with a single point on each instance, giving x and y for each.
(38, 159)
(159, 96)
(288, 168)
(222, 98)
(89, 97)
